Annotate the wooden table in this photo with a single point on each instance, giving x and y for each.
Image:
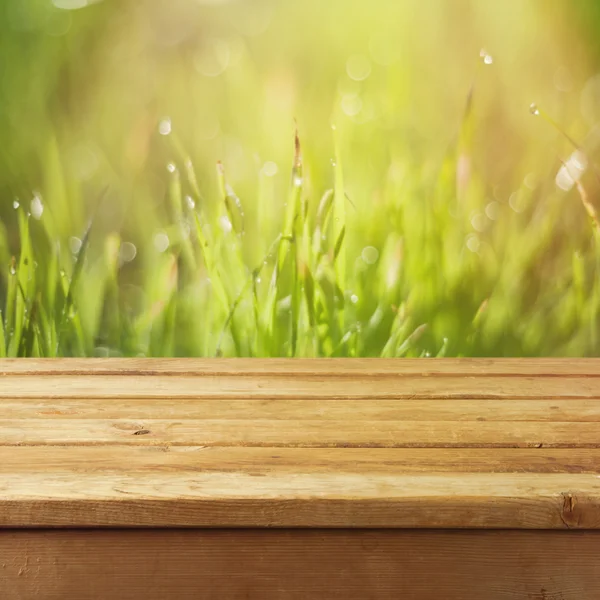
(334, 479)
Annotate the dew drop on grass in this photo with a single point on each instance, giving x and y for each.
(164, 127)
(492, 210)
(161, 241)
(530, 181)
(298, 180)
(75, 244)
(37, 207)
(127, 252)
(370, 254)
(225, 224)
(534, 110)
(572, 170)
(354, 298)
(13, 270)
(190, 202)
(579, 160)
(517, 202)
(486, 58)
(171, 168)
(358, 67)
(473, 243)
(479, 222)
(270, 169)
(16, 204)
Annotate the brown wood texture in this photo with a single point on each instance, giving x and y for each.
(455, 443)
(456, 367)
(299, 565)
(294, 385)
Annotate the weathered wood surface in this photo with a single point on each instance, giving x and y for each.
(299, 565)
(293, 385)
(455, 367)
(350, 443)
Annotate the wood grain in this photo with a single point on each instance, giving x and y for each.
(144, 461)
(535, 409)
(300, 433)
(336, 367)
(299, 565)
(341, 444)
(292, 385)
(241, 487)
(247, 498)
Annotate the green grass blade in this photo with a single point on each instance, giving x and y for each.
(339, 218)
(2, 338)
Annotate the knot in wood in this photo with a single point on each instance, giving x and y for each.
(570, 515)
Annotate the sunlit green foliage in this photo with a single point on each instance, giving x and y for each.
(313, 178)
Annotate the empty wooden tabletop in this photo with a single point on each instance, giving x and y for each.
(454, 443)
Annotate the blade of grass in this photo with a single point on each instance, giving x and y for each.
(339, 221)
(286, 240)
(176, 201)
(2, 338)
(68, 310)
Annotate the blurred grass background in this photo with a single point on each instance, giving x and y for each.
(440, 216)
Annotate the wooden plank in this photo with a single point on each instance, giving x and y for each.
(143, 461)
(304, 499)
(294, 386)
(299, 565)
(337, 367)
(178, 445)
(300, 433)
(286, 409)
